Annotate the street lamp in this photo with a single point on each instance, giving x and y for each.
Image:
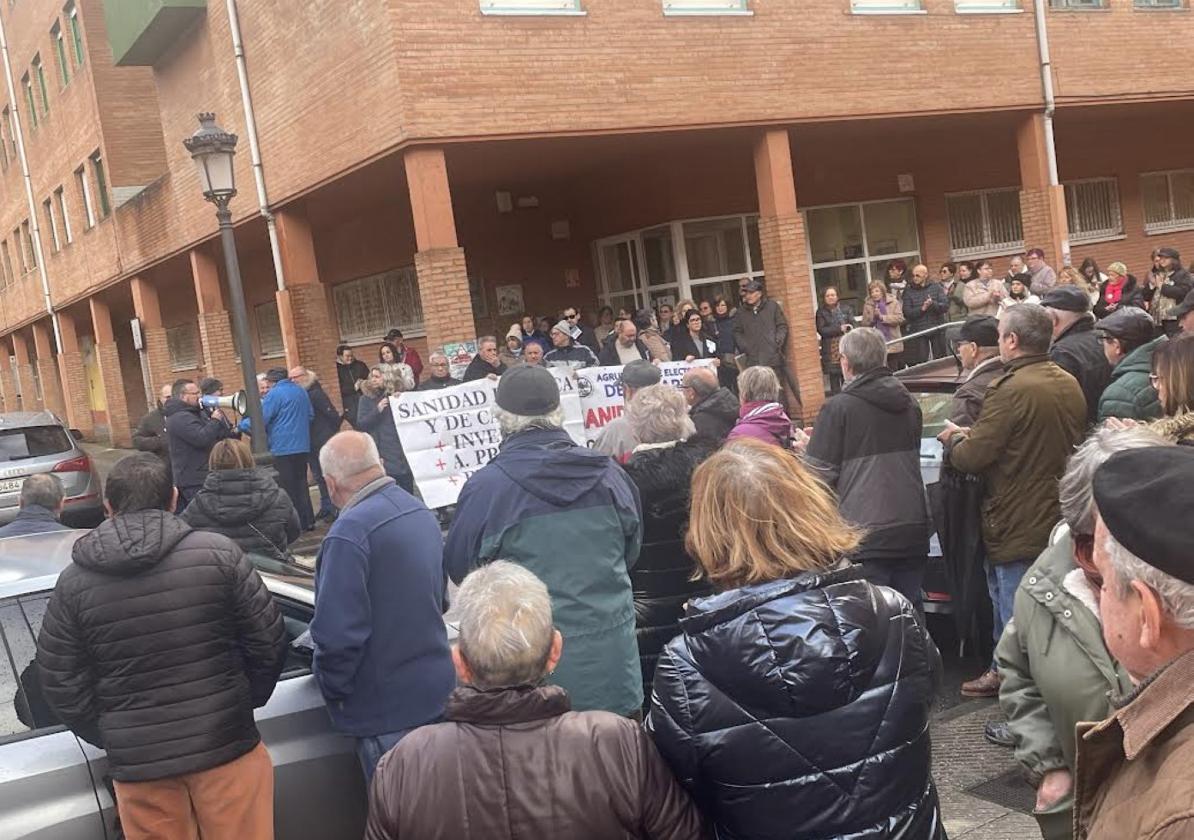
(213, 150)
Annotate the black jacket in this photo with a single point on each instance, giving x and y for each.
(683, 346)
(326, 421)
(830, 323)
(192, 433)
(914, 298)
(249, 508)
(347, 375)
(1132, 295)
(150, 435)
(1179, 284)
(661, 579)
(715, 415)
(1079, 352)
(866, 447)
(574, 355)
(157, 645)
(435, 383)
(478, 368)
(800, 708)
(609, 353)
(761, 333)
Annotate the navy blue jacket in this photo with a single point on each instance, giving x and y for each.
(381, 648)
(287, 413)
(191, 433)
(33, 519)
(326, 420)
(571, 516)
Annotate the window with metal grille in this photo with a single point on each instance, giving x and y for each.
(705, 7)
(183, 343)
(1168, 199)
(531, 7)
(1078, 4)
(368, 308)
(269, 330)
(1092, 207)
(979, 6)
(1160, 4)
(984, 222)
(884, 6)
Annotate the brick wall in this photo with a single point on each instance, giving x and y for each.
(443, 285)
(73, 377)
(315, 330)
(119, 423)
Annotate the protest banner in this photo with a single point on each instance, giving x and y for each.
(451, 433)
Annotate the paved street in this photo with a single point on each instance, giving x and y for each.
(962, 759)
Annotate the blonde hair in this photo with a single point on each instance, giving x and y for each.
(742, 536)
(230, 454)
(1070, 276)
(870, 287)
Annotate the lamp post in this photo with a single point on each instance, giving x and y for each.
(212, 149)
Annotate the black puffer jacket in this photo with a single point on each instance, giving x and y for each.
(800, 708)
(191, 433)
(157, 645)
(249, 508)
(661, 579)
(715, 415)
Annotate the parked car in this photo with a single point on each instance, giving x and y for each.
(54, 786)
(38, 442)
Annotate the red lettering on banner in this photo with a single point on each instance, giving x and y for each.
(596, 418)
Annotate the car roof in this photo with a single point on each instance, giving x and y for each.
(30, 562)
(24, 419)
(936, 375)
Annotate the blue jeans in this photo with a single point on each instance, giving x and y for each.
(1002, 582)
(371, 749)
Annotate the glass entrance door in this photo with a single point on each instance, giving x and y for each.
(621, 272)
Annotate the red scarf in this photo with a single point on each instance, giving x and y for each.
(1114, 291)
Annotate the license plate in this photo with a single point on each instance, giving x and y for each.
(11, 485)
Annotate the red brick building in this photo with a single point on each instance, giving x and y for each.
(429, 163)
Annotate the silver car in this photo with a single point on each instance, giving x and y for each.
(38, 442)
(54, 786)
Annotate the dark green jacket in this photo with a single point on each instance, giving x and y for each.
(1032, 418)
(1056, 670)
(1130, 394)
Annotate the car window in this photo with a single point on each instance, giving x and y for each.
(33, 442)
(297, 617)
(22, 708)
(935, 410)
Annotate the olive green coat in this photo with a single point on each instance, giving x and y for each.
(1056, 670)
(1032, 418)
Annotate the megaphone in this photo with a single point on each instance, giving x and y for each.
(238, 402)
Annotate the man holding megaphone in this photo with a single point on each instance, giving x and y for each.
(192, 432)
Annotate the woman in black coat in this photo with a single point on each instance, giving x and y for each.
(244, 503)
(834, 319)
(375, 419)
(690, 341)
(796, 701)
(661, 467)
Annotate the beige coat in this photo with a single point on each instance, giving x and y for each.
(893, 319)
(978, 298)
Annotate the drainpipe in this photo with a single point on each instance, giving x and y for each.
(242, 72)
(34, 227)
(1042, 42)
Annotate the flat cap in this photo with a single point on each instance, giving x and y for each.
(529, 391)
(753, 285)
(1067, 299)
(1127, 324)
(1172, 253)
(1145, 497)
(640, 374)
(983, 330)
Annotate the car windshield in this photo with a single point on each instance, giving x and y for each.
(935, 410)
(33, 442)
(283, 570)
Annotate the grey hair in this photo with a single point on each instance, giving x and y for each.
(1032, 325)
(485, 339)
(659, 414)
(396, 377)
(340, 459)
(702, 380)
(511, 423)
(44, 489)
(506, 628)
(437, 355)
(1077, 484)
(1176, 596)
(865, 348)
(758, 384)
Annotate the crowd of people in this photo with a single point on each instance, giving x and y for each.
(707, 625)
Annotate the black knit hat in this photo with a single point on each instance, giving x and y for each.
(529, 391)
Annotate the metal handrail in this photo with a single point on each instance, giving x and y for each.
(930, 331)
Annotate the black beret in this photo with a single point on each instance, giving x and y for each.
(983, 330)
(1146, 498)
(529, 391)
(1066, 298)
(1128, 324)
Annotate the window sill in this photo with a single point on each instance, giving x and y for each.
(1165, 231)
(1094, 240)
(281, 354)
(681, 12)
(534, 12)
(1160, 8)
(888, 11)
(1081, 11)
(979, 10)
(998, 251)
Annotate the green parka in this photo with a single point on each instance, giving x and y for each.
(1130, 394)
(1056, 670)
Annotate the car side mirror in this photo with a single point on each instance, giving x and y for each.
(76, 434)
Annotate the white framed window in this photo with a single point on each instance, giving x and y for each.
(269, 330)
(60, 203)
(1092, 207)
(979, 7)
(76, 32)
(368, 308)
(1168, 199)
(1078, 4)
(183, 343)
(85, 196)
(51, 225)
(984, 223)
(27, 239)
(101, 184)
(18, 243)
(851, 245)
(1160, 4)
(886, 7)
(531, 7)
(691, 258)
(706, 7)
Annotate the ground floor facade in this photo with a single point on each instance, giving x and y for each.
(458, 240)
